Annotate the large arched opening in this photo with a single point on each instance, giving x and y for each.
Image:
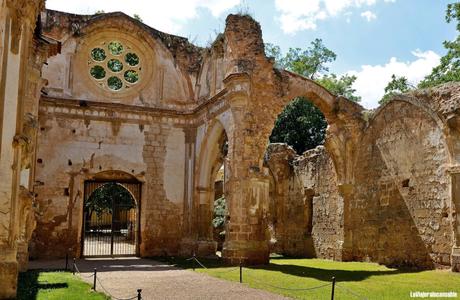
(111, 215)
(210, 204)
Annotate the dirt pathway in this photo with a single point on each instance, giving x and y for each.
(121, 277)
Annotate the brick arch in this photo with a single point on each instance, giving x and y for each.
(344, 118)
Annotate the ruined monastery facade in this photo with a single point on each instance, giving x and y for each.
(86, 100)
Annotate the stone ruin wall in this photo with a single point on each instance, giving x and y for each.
(401, 207)
(307, 213)
(399, 213)
(395, 196)
(86, 147)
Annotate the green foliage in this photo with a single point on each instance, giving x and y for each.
(132, 59)
(116, 48)
(114, 83)
(220, 212)
(449, 68)
(97, 72)
(340, 86)
(300, 125)
(310, 62)
(131, 76)
(137, 17)
(98, 54)
(274, 52)
(102, 199)
(397, 85)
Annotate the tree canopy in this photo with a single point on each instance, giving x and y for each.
(301, 124)
(449, 67)
(397, 85)
(102, 199)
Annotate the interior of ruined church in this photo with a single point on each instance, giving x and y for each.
(94, 102)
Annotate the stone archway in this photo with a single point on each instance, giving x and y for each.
(111, 215)
(210, 160)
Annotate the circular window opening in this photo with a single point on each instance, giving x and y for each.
(132, 59)
(115, 65)
(116, 48)
(98, 54)
(114, 83)
(97, 72)
(131, 76)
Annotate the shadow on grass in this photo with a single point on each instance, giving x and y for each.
(295, 270)
(29, 286)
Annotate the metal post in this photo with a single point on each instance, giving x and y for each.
(73, 266)
(241, 272)
(94, 279)
(333, 288)
(66, 261)
(139, 296)
(194, 261)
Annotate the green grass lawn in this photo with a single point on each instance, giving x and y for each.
(52, 285)
(355, 280)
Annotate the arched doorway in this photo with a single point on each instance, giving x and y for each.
(110, 218)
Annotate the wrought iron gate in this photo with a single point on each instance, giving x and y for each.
(112, 230)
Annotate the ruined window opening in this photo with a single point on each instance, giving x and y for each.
(39, 160)
(112, 71)
(66, 192)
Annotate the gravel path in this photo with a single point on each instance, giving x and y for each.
(121, 277)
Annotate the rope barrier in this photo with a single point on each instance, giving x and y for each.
(218, 272)
(288, 289)
(112, 296)
(351, 292)
(79, 273)
(138, 296)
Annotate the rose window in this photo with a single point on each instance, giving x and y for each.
(114, 66)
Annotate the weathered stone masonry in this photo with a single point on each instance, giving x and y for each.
(384, 188)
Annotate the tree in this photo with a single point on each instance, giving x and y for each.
(340, 86)
(301, 124)
(397, 85)
(102, 199)
(449, 67)
(310, 62)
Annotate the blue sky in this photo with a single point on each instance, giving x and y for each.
(372, 38)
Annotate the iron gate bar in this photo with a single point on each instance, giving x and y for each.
(115, 233)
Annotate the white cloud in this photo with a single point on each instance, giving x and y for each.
(168, 16)
(368, 15)
(298, 15)
(372, 80)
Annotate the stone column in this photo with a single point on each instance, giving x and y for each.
(188, 242)
(247, 189)
(206, 245)
(246, 228)
(455, 182)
